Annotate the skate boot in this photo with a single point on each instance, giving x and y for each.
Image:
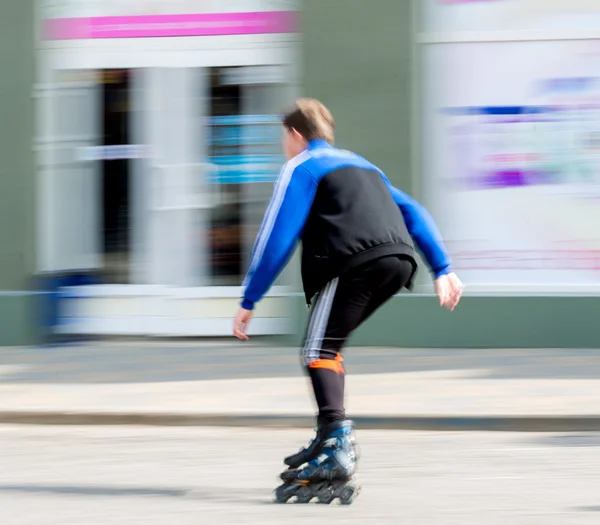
(328, 476)
(304, 455)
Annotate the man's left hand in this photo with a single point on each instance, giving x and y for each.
(240, 324)
(449, 290)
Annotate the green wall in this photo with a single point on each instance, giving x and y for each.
(17, 169)
(357, 60)
(416, 321)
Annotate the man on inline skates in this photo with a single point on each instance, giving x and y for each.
(357, 233)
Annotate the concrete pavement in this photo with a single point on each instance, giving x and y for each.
(185, 476)
(154, 361)
(162, 384)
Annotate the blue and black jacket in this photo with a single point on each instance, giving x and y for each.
(346, 213)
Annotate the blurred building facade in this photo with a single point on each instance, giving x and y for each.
(161, 141)
(155, 138)
(487, 112)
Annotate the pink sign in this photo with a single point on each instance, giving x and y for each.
(465, 1)
(171, 25)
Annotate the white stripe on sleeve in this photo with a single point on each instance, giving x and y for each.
(273, 209)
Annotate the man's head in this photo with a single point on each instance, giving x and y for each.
(309, 120)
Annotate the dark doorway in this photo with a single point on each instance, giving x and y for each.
(116, 177)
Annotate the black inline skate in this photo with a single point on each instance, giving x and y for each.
(304, 455)
(328, 471)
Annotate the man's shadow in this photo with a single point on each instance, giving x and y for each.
(223, 494)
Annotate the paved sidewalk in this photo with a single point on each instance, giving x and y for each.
(461, 398)
(216, 476)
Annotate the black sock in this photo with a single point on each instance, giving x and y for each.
(328, 386)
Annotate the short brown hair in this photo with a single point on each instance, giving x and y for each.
(311, 119)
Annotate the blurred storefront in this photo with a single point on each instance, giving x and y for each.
(511, 135)
(487, 112)
(158, 144)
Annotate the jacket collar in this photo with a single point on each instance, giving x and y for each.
(318, 143)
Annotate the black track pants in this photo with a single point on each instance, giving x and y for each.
(343, 305)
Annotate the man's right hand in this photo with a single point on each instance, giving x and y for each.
(240, 324)
(449, 289)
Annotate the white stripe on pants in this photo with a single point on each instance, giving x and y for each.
(318, 323)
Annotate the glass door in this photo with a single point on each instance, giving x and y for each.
(245, 150)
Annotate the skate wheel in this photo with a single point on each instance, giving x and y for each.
(349, 494)
(326, 496)
(282, 494)
(304, 495)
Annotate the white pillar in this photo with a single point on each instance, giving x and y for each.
(69, 227)
(175, 107)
